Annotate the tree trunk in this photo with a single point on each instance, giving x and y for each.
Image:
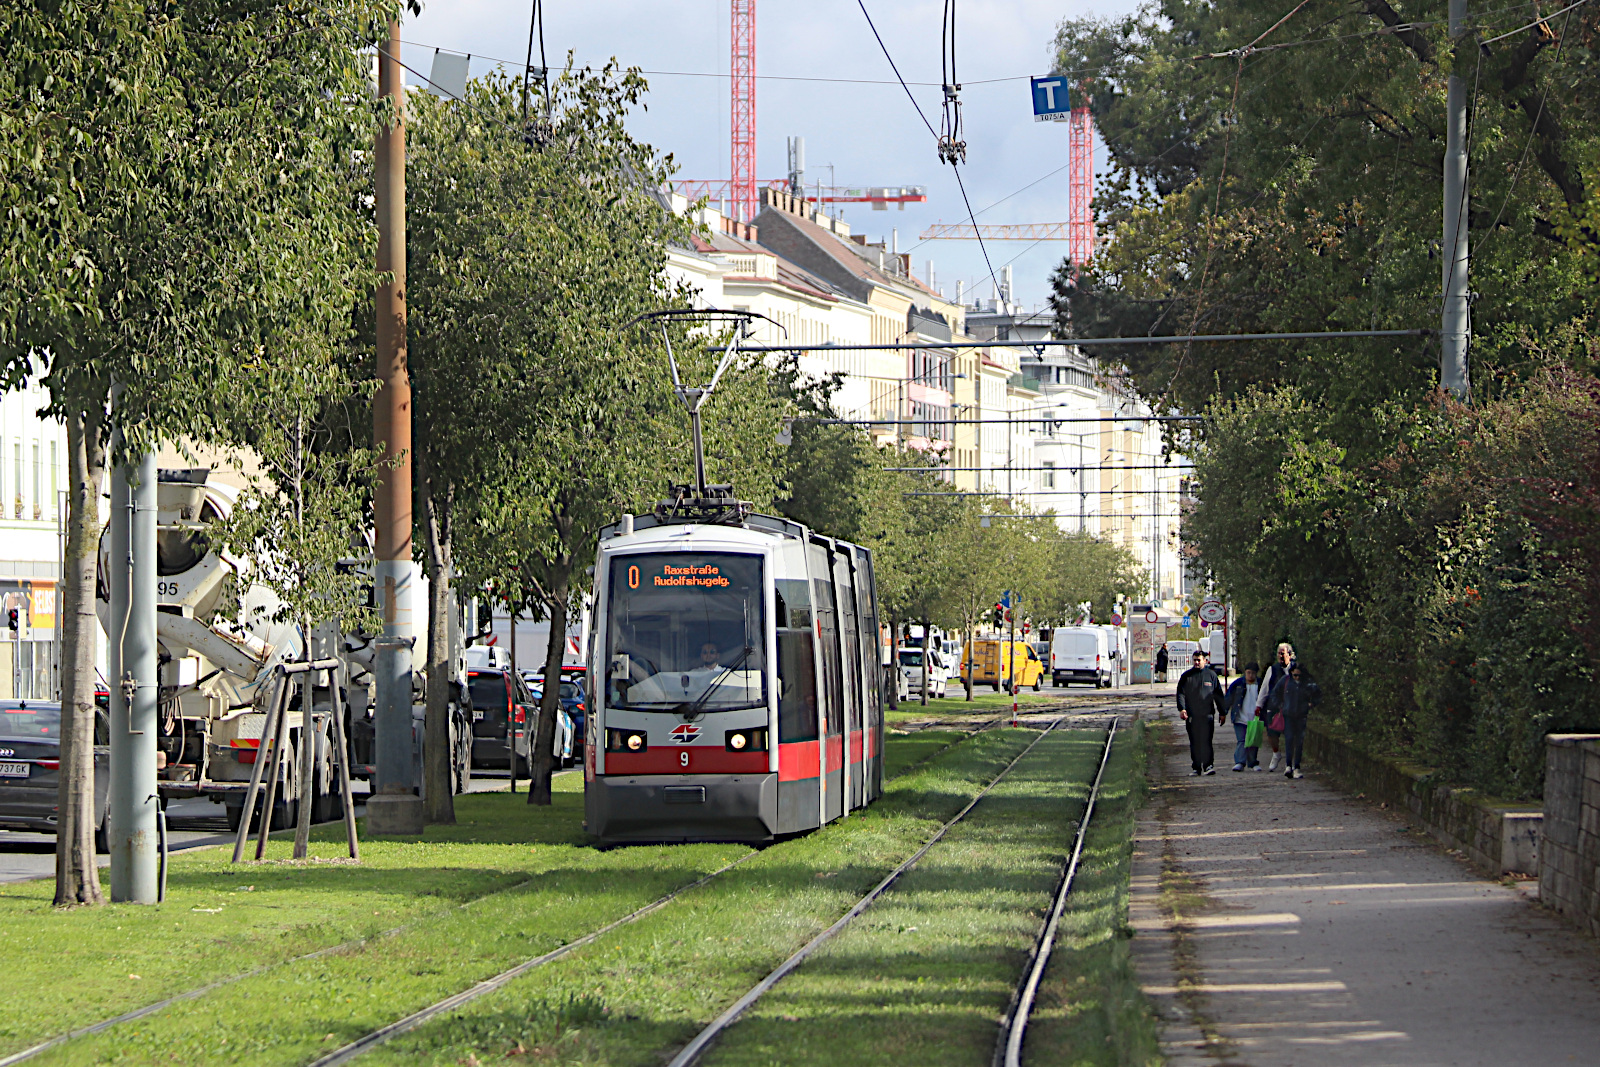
(544, 759)
(894, 663)
(77, 877)
(966, 657)
(927, 657)
(437, 753)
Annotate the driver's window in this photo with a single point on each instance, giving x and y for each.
(102, 727)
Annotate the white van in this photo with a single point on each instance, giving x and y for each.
(1080, 654)
(911, 660)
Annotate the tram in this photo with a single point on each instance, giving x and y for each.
(735, 684)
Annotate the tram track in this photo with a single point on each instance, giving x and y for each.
(377, 1037)
(103, 1025)
(363, 1044)
(1014, 1024)
(691, 1053)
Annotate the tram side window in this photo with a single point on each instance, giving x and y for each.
(797, 668)
(832, 678)
(797, 681)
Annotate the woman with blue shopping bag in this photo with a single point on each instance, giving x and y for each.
(1240, 701)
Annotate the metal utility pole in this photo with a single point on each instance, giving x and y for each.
(135, 857)
(392, 809)
(1455, 327)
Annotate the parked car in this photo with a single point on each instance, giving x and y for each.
(30, 761)
(919, 666)
(1081, 654)
(573, 703)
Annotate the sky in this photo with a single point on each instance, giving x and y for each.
(869, 133)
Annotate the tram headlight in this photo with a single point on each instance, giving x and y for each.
(746, 740)
(626, 741)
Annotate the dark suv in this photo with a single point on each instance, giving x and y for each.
(499, 698)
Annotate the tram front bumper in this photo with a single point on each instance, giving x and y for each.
(640, 808)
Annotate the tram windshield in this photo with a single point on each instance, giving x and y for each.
(685, 633)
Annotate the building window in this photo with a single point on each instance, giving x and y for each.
(55, 482)
(16, 477)
(1049, 474)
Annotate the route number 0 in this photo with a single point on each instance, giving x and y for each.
(633, 577)
(683, 758)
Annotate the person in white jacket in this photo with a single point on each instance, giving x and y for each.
(1275, 674)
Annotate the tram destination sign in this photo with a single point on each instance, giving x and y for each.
(677, 576)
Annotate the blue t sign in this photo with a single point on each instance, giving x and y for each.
(1050, 100)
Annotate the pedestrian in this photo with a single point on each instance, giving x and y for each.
(1240, 700)
(1294, 698)
(1199, 695)
(1275, 674)
(1161, 664)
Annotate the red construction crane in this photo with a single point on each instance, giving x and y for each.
(743, 66)
(1080, 185)
(1077, 231)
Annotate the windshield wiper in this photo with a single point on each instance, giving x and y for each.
(698, 706)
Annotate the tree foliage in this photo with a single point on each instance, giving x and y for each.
(1426, 559)
(174, 182)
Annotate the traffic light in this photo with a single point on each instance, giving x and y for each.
(14, 620)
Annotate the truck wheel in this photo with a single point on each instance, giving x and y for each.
(522, 767)
(284, 814)
(1037, 686)
(102, 835)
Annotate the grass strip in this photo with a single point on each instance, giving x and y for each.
(575, 889)
(650, 987)
(924, 976)
(1090, 1010)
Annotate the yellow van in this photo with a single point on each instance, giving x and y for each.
(987, 658)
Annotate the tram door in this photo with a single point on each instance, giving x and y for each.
(824, 604)
(872, 673)
(850, 657)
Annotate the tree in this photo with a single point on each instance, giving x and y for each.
(148, 129)
(1309, 197)
(528, 258)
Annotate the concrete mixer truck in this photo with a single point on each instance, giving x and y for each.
(220, 638)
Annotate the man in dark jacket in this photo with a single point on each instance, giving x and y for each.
(1295, 696)
(1200, 697)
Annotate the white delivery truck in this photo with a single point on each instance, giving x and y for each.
(1081, 654)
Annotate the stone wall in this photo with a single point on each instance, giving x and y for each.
(1497, 838)
(1569, 882)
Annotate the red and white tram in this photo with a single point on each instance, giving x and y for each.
(736, 689)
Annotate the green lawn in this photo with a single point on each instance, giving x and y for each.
(647, 989)
(1090, 1010)
(922, 977)
(531, 883)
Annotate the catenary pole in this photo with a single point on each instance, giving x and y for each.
(1455, 326)
(393, 809)
(135, 860)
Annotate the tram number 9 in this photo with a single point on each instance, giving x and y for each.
(683, 758)
(633, 580)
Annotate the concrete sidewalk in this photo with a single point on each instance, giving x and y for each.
(1282, 922)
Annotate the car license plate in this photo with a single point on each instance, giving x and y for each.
(477, 716)
(14, 770)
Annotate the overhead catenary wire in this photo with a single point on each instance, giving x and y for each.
(1071, 342)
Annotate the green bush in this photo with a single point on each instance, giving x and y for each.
(1435, 566)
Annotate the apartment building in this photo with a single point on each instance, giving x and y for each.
(33, 481)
